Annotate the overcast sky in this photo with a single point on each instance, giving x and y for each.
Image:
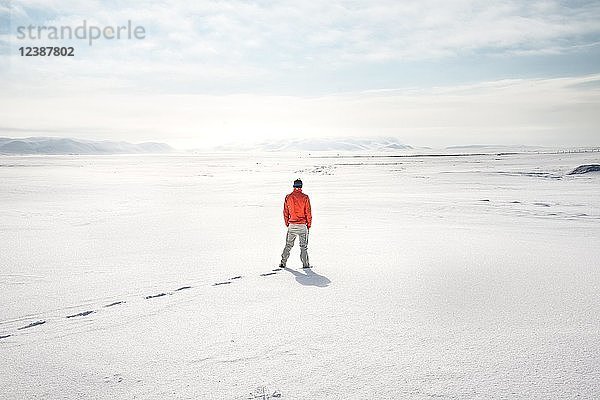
(432, 73)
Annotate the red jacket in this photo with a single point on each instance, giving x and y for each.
(296, 208)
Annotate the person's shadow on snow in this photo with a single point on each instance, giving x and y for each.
(309, 277)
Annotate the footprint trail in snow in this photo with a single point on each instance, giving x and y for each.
(147, 297)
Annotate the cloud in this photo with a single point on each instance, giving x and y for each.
(522, 111)
(195, 43)
(232, 70)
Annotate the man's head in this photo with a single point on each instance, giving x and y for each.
(297, 183)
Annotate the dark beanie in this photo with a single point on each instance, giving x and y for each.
(297, 183)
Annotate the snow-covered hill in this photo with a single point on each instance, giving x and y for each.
(322, 144)
(51, 145)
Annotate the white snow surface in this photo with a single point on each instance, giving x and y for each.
(473, 277)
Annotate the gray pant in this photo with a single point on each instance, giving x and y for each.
(296, 230)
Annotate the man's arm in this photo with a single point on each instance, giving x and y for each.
(286, 213)
(308, 213)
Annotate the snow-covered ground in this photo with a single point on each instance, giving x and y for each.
(435, 277)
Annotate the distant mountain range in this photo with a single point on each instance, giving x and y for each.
(492, 147)
(49, 145)
(55, 145)
(325, 144)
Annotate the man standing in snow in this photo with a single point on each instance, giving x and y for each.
(298, 218)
